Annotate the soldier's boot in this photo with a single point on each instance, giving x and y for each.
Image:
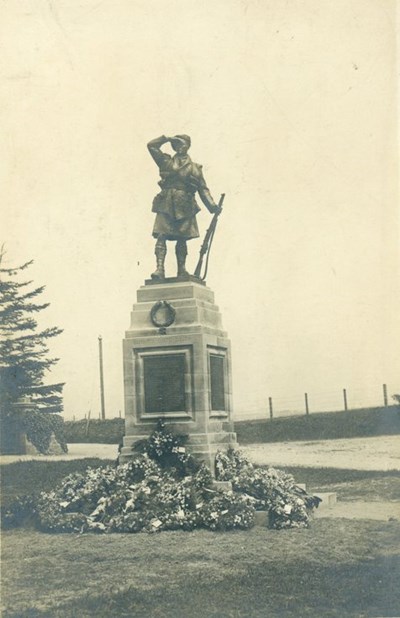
(181, 253)
(160, 252)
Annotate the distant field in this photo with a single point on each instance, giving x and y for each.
(109, 431)
(317, 426)
(365, 422)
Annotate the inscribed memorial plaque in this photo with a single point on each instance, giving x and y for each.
(164, 383)
(217, 375)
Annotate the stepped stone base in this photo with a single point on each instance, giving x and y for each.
(222, 486)
(261, 518)
(202, 446)
(177, 366)
(329, 499)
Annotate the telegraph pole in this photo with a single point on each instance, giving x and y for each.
(103, 409)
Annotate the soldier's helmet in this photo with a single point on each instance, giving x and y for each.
(181, 138)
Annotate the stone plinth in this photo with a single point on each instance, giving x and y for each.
(177, 366)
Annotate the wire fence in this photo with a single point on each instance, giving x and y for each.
(313, 402)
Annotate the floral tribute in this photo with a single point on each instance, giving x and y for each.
(165, 488)
(271, 490)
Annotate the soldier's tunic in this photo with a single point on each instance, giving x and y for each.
(175, 206)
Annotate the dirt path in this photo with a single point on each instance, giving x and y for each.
(75, 451)
(377, 453)
(380, 511)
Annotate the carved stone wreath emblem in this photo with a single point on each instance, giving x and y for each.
(162, 314)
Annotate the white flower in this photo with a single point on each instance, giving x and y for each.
(96, 524)
(129, 503)
(156, 524)
(287, 509)
(99, 509)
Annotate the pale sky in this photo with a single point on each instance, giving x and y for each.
(291, 106)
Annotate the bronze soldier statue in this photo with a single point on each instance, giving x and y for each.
(175, 206)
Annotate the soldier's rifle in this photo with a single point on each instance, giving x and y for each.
(207, 242)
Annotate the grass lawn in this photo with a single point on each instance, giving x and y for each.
(28, 477)
(334, 569)
(337, 568)
(350, 485)
(365, 422)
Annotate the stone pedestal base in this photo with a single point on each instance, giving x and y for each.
(177, 366)
(203, 446)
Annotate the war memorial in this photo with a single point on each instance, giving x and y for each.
(177, 356)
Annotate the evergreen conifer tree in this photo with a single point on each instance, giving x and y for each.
(24, 360)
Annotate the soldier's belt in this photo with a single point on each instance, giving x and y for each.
(180, 187)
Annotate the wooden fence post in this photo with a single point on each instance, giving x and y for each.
(103, 408)
(345, 400)
(87, 424)
(385, 397)
(271, 411)
(306, 402)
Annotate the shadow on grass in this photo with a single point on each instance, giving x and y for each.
(276, 590)
(31, 477)
(349, 485)
(330, 476)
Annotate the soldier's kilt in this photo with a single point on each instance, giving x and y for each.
(174, 229)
